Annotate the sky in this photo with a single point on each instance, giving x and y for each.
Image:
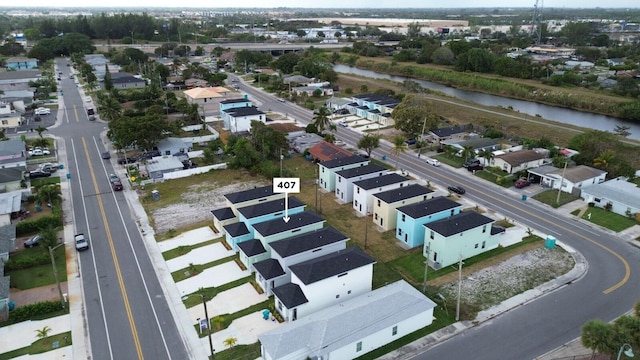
(335, 3)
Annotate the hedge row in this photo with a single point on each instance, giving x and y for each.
(28, 312)
(25, 262)
(33, 226)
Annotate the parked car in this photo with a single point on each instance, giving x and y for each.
(520, 183)
(49, 167)
(475, 167)
(38, 174)
(91, 111)
(281, 100)
(38, 152)
(433, 162)
(113, 178)
(82, 243)
(343, 123)
(42, 111)
(148, 155)
(127, 160)
(339, 143)
(457, 189)
(410, 142)
(92, 118)
(116, 185)
(471, 163)
(106, 155)
(34, 241)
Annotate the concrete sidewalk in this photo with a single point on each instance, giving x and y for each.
(23, 334)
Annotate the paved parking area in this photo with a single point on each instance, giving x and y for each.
(200, 256)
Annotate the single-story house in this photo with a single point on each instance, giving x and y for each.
(300, 142)
(447, 133)
(160, 165)
(478, 144)
(385, 203)
(10, 203)
(21, 63)
(325, 151)
(18, 80)
(124, 80)
(364, 190)
(310, 89)
(173, 146)
(411, 218)
(297, 79)
(201, 95)
(193, 82)
(519, 160)
(5, 285)
(573, 178)
(618, 195)
(351, 328)
(235, 103)
(346, 178)
(13, 153)
(13, 96)
(11, 178)
(327, 169)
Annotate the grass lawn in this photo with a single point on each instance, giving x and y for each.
(608, 219)
(240, 352)
(181, 274)
(451, 160)
(38, 275)
(210, 293)
(549, 197)
(40, 346)
(35, 183)
(182, 250)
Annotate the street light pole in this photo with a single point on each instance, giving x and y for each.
(459, 288)
(55, 273)
(206, 316)
(628, 352)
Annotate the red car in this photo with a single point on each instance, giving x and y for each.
(117, 186)
(520, 183)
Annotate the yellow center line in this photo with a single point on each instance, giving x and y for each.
(624, 262)
(127, 306)
(75, 110)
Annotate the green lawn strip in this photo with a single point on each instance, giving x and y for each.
(504, 180)
(383, 274)
(175, 232)
(45, 181)
(221, 322)
(441, 320)
(451, 160)
(210, 293)
(40, 346)
(240, 352)
(182, 250)
(608, 219)
(39, 275)
(193, 270)
(549, 197)
(412, 265)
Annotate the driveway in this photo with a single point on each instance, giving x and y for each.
(212, 277)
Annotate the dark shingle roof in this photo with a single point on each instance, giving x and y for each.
(223, 214)
(275, 226)
(359, 171)
(243, 111)
(329, 265)
(7, 239)
(521, 157)
(403, 193)
(11, 174)
(269, 207)
(237, 229)
(251, 247)
(307, 241)
(251, 194)
(235, 101)
(428, 207)
(5, 284)
(126, 80)
(269, 268)
(379, 181)
(350, 160)
(290, 295)
(458, 223)
(448, 131)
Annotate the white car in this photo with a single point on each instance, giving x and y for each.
(339, 143)
(82, 243)
(42, 111)
(88, 99)
(433, 162)
(38, 152)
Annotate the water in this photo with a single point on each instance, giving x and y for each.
(554, 113)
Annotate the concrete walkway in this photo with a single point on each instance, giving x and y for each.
(22, 334)
(199, 256)
(192, 237)
(245, 329)
(228, 302)
(212, 277)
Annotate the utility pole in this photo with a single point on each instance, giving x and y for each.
(561, 181)
(459, 287)
(55, 273)
(366, 231)
(426, 268)
(281, 157)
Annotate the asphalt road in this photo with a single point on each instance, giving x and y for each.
(609, 288)
(126, 312)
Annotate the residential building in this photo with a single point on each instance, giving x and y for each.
(201, 96)
(617, 195)
(238, 120)
(21, 63)
(374, 107)
(173, 146)
(572, 179)
(18, 80)
(5, 287)
(222, 217)
(326, 151)
(385, 203)
(346, 178)
(324, 281)
(269, 210)
(7, 241)
(327, 169)
(512, 162)
(235, 103)
(160, 165)
(478, 144)
(10, 203)
(274, 272)
(447, 133)
(12, 153)
(460, 236)
(11, 178)
(303, 141)
(19, 98)
(410, 219)
(124, 80)
(252, 196)
(310, 90)
(364, 190)
(351, 328)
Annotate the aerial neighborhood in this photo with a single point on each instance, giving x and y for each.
(296, 184)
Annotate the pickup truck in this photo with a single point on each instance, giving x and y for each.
(81, 242)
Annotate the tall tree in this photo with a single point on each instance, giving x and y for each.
(368, 143)
(321, 119)
(414, 114)
(597, 336)
(110, 108)
(108, 83)
(399, 147)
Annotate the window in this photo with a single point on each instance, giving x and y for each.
(5, 122)
(359, 346)
(431, 235)
(339, 179)
(379, 202)
(376, 216)
(403, 216)
(279, 305)
(356, 202)
(475, 246)
(483, 244)
(394, 330)
(399, 232)
(323, 170)
(484, 229)
(357, 192)
(338, 296)
(349, 292)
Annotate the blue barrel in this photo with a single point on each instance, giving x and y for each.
(524, 197)
(61, 166)
(550, 242)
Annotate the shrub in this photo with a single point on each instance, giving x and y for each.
(33, 226)
(27, 312)
(24, 262)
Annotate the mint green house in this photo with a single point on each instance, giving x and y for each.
(328, 169)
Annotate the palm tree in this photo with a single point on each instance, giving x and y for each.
(50, 194)
(43, 333)
(321, 119)
(468, 152)
(109, 108)
(399, 146)
(230, 341)
(330, 138)
(488, 156)
(605, 159)
(40, 129)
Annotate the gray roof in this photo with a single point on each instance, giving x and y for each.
(269, 207)
(520, 157)
(126, 79)
(448, 131)
(5, 283)
(22, 74)
(329, 265)
(578, 173)
(276, 226)
(379, 181)
(402, 193)
(162, 163)
(12, 174)
(618, 190)
(428, 207)
(172, 142)
(477, 143)
(349, 160)
(243, 111)
(252, 247)
(458, 223)
(224, 213)
(296, 79)
(269, 269)
(307, 241)
(235, 101)
(346, 323)
(359, 171)
(251, 194)
(236, 229)
(7, 238)
(543, 170)
(10, 202)
(12, 147)
(290, 295)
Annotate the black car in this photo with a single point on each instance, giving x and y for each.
(475, 167)
(106, 155)
(34, 241)
(38, 174)
(471, 163)
(127, 160)
(456, 189)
